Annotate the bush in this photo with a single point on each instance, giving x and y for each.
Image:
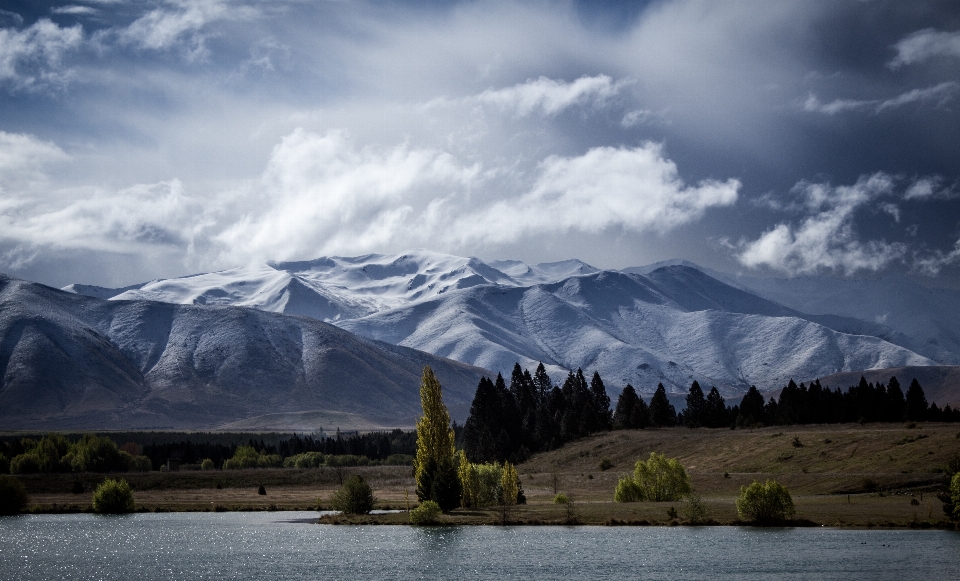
(113, 497)
(428, 513)
(354, 497)
(207, 464)
(143, 464)
(605, 464)
(13, 495)
(561, 499)
(766, 503)
(695, 511)
(661, 478)
(628, 490)
(25, 464)
(955, 494)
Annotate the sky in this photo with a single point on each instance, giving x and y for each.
(152, 139)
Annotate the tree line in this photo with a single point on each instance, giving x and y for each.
(509, 423)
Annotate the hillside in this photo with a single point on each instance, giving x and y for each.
(72, 362)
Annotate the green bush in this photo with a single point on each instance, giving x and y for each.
(955, 494)
(305, 460)
(354, 497)
(25, 464)
(428, 513)
(142, 464)
(113, 497)
(628, 491)
(695, 511)
(13, 495)
(207, 464)
(661, 478)
(561, 499)
(766, 503)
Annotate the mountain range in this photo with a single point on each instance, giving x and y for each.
(69, 361)
(668, 323)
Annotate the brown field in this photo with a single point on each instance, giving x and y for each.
(847, 475)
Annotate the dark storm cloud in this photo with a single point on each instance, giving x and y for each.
(197, 134)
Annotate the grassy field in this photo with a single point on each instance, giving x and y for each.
(846, 475)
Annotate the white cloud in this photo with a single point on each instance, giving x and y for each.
(23, 160)
(74, 10)
(933, 264)
(549, 97)
(179, 25)
(633, 188)
(826, 239)
(320, 195)
(33, 57)
(941, 94)
(925, 44)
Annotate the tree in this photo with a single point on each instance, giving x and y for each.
(696, 412)
(433, 463)
(895, 404)
(916, 402)
(479, 440)
(695, 511)
(13, 495)
(601, 402)
(716, 413)
(627, 490)
(766, 503)
(661, 478)
(113, 497)
(354, 497)
(428, 513)
(662, 412)
(623, 416)
(955, 495)
(751, 408)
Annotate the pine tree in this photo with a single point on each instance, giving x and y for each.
(435, 441)
(695, 414)
(716, 413)
(479, 441)
(895, 403)
(916, 402)
(601, 402)
(662, 412)
(751, 408)
(626, 406)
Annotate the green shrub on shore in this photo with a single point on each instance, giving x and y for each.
(428, 513)
(248, 457)
(767, 503)
(13, 495)
(207, 464)
(628, 490)
(354, 497)
(113, 497)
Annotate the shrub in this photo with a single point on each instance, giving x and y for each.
(695, 511)
(261, 490)
(143, 464)
(628, 491)
(428, 513)
(13, 495)
(765, 503)
(207, 464)
(605, 464)
(354, 497)
(113, 497)
(25, 464)
(661, 478)
(561, 499)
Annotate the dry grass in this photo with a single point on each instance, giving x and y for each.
(847, 475)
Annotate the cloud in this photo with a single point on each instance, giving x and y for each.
(941, 94)
(632, 188)
(924, 45)
(178, 25)
(33, 57)
(74, 10)
(825, 240)
(320, 194)
(549, 97)
(24, 159)
(933, 264)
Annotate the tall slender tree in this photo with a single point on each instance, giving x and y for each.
(662, 412)
(601, 402)
(916, 402)
(435, 446)
(695, 414)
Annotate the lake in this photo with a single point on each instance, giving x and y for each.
(282, 546)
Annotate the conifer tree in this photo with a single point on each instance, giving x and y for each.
(479, 440)
(895, 403)
(751, 408)
(695, 414)
(716, 411)
(601, 402)
(626, 406)
(435, 445)
(916, 402)
(662, 412)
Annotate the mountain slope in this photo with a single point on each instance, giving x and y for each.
(73, 362)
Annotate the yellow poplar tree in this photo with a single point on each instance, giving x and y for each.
(508, 484)
(435, 439)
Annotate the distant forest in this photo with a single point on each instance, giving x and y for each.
(533, 415)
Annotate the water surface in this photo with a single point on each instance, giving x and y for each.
(282, 546)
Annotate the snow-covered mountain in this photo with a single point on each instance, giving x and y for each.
(669, 323)
(72, 362)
